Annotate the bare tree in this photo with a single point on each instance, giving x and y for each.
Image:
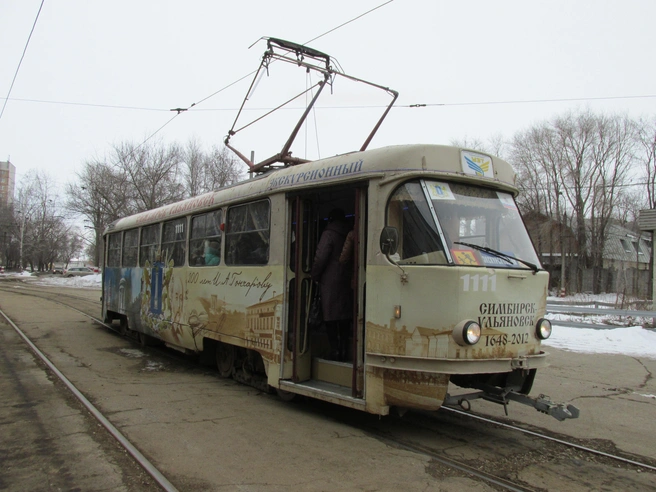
(132, 179)
(153, 173)
(101, 195)
(222, 168)
(538, 159)
(646, 135)
(575, 165)
(193, 168)
(208, 172)
(8, 231)
(612, 155)
(41, 228)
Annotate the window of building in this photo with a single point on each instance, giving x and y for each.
(174, 241)
(148, 251)
(205, 242)
(114, 250)
(130, 248)
(247, 234)
(636, 247)
(625, 245)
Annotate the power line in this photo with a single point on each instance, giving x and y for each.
(528, 187)
(181, 110)
(412, 106)
(527, 101)
(21, 59)
(307, 42)
(348, 22)
(73, 103)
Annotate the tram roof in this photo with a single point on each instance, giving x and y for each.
(441, 161)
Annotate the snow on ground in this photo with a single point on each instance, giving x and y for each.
(634, 341)
(87, 282)
(606, 339)
(612, 335)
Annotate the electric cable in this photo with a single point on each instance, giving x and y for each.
(347, 22)
(21, 59)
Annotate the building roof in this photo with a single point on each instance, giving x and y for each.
(623, 244)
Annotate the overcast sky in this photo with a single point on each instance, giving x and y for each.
(157, 54)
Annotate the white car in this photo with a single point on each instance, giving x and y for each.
(78, 272)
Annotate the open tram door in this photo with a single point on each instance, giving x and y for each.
(314, 372)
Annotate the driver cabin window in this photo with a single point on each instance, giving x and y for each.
(419, 241)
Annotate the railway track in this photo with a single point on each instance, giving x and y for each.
(446, 423)
(586, 449)
(156, 474)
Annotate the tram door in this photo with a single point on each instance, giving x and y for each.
(307, 219)
(302, 230)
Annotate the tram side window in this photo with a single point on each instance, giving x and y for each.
(247, 234)
(174, 241)
(419, 241)
(130, 248)
(149, 245)
(114, 250)
(205, 243)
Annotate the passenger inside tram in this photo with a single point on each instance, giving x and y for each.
(335, 284)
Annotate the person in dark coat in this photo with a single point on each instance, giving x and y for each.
(335, 283)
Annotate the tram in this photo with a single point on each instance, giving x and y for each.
(446, 287)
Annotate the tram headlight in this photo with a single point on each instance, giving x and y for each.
(543, 329)
(467, 332)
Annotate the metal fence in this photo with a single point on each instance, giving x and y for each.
(591, 309)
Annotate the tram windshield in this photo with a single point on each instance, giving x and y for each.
(455, 223)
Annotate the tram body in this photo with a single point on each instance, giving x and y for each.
(440, 250)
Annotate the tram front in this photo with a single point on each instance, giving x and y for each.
(457, 295)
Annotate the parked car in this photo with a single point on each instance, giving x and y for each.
(78, 272)
(57, 270)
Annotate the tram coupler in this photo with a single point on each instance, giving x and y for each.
(559, 411)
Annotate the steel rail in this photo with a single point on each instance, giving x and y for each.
(127, 445)
(553, 439)
(469, 470)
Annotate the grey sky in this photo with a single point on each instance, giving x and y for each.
(169, 54)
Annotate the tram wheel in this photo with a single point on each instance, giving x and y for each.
(285, 395)
(123, 329)
(225, 359)
(143, 339)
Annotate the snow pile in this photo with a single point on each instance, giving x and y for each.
(87, 282)
(633, 341)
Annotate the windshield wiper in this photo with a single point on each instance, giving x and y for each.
(499, 254)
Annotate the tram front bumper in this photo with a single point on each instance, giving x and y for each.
(456, 366)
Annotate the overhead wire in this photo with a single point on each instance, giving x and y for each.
(373, 106)
(195, 105)
(526, 101)
(181, 110)
(22, 57)
(92, 105)
(348, 22)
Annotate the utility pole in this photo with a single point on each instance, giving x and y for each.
(21, 235)
(563, 288)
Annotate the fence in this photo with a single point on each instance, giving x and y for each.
(628, 281)
(641, 309)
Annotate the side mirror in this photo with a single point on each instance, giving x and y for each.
(389, 240)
